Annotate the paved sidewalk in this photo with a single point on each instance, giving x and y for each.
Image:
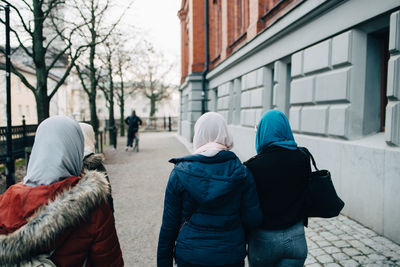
(139, 180)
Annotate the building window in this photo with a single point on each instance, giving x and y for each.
(376, 79)
(27, 111)
(384, 44)
(238, 21)
(215, 21)
(20, 111)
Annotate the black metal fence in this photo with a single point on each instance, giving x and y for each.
(160, 124)
(22, 137)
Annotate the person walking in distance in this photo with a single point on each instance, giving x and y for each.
(281, 172)
(209, 201)
(133, 123)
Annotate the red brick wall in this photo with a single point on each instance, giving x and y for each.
(232, 23)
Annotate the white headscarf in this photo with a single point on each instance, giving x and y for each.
(211, 135)
(88, 135)
(57, 152)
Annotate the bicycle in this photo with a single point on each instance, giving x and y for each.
(136, 138)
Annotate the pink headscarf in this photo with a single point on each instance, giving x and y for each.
(211, 135)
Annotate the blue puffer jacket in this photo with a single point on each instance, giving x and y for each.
(217, 197)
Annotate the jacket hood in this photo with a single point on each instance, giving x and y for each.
(93, 161)
(210, 178)
(67, 210)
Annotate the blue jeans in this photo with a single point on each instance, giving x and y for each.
(184, 264)
(278, 248)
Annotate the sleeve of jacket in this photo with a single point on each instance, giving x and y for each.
(170, 223)
(140, 121)
(250, 207)
(127, 120)
(105, 250)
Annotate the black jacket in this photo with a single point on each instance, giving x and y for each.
(281, 177)
(133, 122)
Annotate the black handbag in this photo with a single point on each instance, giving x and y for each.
(321, 197)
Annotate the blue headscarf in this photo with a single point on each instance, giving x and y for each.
(274, 130)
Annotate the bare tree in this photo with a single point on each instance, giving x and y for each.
(123, 65)
(106, 84)
(152, 77)
(37, 43)
(98, 29)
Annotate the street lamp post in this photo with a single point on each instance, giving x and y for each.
(10, 166)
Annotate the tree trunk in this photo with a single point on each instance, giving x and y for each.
(42, 106)
(94, 121)
(152, 105)
(122, 119)
(42, 100)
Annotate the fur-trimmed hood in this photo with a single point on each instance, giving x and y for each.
(94, 162)
(67, 210)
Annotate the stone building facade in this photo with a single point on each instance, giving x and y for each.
(332, 66)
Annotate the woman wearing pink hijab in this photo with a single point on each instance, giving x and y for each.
(209, 200)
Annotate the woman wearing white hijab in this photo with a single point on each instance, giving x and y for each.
(91, 160)
(210, 198)
(55, 210)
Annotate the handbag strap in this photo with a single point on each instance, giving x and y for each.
(305, 150)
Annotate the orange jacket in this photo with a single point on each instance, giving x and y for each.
(71, 217)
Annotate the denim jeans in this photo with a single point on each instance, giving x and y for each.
(278, 248)
(184, 264)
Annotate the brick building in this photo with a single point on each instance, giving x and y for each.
(332, 66)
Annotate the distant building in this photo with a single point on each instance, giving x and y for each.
(333, 67)
(70, 99)
(23, 101)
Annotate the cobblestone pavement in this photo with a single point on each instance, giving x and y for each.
(138, 182)
(343, 242)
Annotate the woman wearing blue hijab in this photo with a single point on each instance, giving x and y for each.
(281, 174)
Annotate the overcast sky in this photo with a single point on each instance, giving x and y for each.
(159, 21)
(158, 18)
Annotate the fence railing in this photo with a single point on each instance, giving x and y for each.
(22, 137)
(160, 124)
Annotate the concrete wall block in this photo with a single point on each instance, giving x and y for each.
(225, 114)
(260, 76)
(259, 114)
(314, 119)
(223, 103)
(248, 117)
(302, 90)
(333, 85)
(223, 90)
(195, 95)
(394, 32)
(194, 116)
(194, 106)
(256, 97)
(317, 57)
(362, 168)
(187, 130)
(338, 120)
(391, 195)
(246, 99)
(297, 64)
(393, 82)
(295, 118)
(341, 48)
(249, 80)
(392, 123)
(275, 93)
(279, 71)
